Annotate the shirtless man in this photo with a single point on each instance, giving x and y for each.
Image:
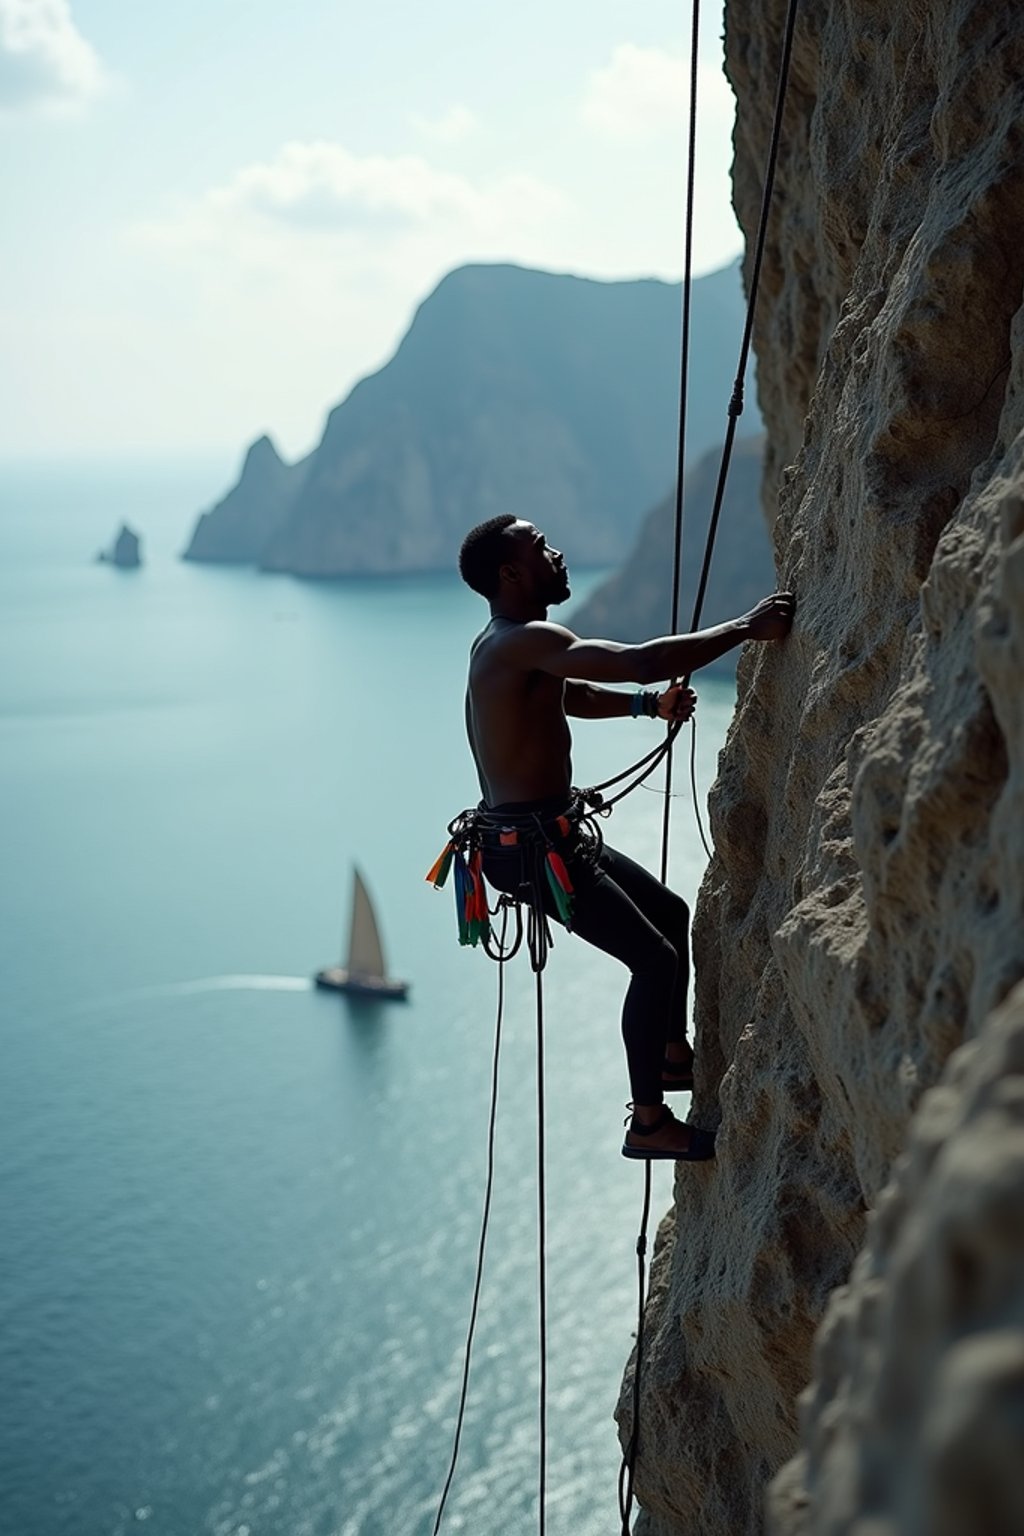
(526, 674)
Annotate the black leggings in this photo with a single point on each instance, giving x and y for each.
(621, 908)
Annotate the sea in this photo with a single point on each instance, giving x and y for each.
(239, 1217)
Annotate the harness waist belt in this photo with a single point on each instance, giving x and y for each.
(504, 825)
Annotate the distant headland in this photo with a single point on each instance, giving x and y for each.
(513, 390)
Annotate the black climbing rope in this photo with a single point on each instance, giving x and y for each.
(542, 1283)
(684, 389)
(502, 955)
(627, 1474)
(538, 934)
(595, 794)
(627, 1471)
(736, 402)
(538, 940)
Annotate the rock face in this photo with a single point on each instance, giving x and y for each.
(862, 922)
(513, 390)
(636, 602)
(915, 1419)
(125, 552)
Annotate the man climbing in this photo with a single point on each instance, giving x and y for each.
(526, 674)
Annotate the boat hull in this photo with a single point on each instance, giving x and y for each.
(336, 979)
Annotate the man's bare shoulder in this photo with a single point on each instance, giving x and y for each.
(538, 638)
(520, 645)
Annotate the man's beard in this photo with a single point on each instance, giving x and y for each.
(561, 593)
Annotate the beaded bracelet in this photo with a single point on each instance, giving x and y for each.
(644, 703)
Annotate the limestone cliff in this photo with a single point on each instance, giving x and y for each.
(862, 922)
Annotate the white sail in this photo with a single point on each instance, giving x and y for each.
(365, 956)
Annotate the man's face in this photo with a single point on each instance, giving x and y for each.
(540, 565)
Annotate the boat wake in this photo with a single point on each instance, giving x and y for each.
(202, 984)
(236, 984)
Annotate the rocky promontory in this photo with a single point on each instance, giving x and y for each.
(837, 1307)
(551, 396)
(237, 530)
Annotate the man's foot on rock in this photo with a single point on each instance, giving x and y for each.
(668, 1139)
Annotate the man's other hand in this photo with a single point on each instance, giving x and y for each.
(772, 619)
(677, 703)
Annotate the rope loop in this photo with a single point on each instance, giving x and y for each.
(497, 949)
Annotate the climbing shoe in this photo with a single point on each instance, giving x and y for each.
(668, 1139)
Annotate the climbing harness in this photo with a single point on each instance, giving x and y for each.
(536, 841)
(544, 869)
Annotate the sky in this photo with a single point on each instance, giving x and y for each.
(218, 215)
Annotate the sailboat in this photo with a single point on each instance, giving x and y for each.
(363, 974)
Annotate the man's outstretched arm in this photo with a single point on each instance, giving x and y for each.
(553, 648)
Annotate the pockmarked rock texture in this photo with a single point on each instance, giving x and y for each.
(862, 921)
(915, 1419)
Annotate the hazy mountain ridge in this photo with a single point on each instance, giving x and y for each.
(513, 390)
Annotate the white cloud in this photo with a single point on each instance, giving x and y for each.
(450, 128)
(643, 93)
(320, 190)
(299, 273)
(44, 60)
(323, 184)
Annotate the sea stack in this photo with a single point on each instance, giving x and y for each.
(125, 552)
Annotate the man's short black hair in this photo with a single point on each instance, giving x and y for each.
(482, 552)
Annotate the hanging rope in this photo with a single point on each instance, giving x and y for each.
(502, 955)
(684, 389)
(627, 1469)
(595, 794)
(537, 931)
(542, 1283)
(627, 1473)
(538, 938)
(736, 402)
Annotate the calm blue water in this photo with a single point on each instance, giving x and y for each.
(238, 1218)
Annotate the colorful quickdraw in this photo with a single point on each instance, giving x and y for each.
(561, 885)
(470, 891)
(441, 868)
